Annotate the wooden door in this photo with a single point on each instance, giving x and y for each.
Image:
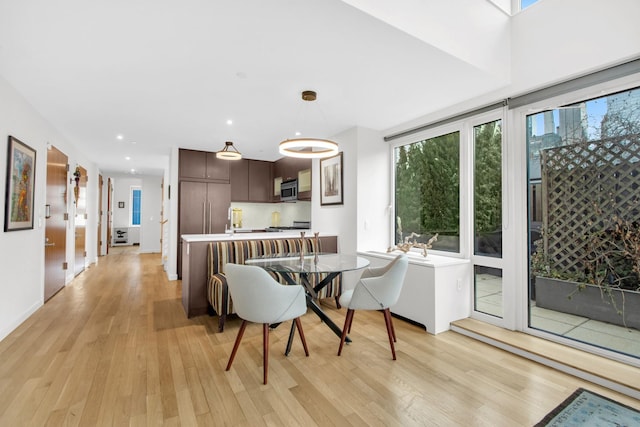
(55, 223)
(99, 236)
(80, 201)
(109, 211)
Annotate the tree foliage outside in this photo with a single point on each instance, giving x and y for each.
(427, 191)
(488, 189)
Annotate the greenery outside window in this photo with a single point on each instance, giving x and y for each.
(427, 191)
(487, 197)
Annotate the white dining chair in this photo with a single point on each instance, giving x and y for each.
(377, 289)
(258, 298)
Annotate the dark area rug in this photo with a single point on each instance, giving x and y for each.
(585, 408)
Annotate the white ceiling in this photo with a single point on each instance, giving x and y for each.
(168, 73)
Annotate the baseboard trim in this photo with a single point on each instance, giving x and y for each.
(14, 325)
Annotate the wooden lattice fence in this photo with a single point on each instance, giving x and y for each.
(583, 186)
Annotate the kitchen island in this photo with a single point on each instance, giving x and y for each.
(194, 261)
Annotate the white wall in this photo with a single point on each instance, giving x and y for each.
(148, 234)
(339, 219)
(555, 40)
(150, 214)
(170, 259)
(122, 193)
(22, 252)
(373, 191)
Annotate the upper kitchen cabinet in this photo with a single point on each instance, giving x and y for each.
(304, 184)
(203, 165)
(239, 170)
(260, 175)
(293, 168)
(251, 181)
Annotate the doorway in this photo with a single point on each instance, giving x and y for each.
(80, 202)
(55, 222)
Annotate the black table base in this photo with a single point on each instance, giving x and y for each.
(312, 293)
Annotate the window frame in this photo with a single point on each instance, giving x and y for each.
(483, 260)
(132, 189)
(434, 132)
(517, 132)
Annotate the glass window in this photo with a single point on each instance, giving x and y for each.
(136, 196)
(584, 220)
(487, 198)
(427, 192)
(488, 290)
(526, 3)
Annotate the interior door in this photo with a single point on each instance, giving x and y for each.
(80, 201)
(55, 222)
(99, 236)
(109, 211)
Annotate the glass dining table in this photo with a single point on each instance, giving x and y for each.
(304, 267)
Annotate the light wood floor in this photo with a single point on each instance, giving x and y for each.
(115, 348)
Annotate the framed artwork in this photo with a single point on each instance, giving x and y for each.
(331, 187)
(121, 205)
(21, 175)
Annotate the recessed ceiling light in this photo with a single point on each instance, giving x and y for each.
(127, 158)
(298, 134)
(133, 171)
(229, 122)
(119, 136)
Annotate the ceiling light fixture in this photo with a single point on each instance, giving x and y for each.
(229, 152)
(308, 148)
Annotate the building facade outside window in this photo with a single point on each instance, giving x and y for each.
(584, 221)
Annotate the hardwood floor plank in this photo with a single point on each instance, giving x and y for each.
(114, 347)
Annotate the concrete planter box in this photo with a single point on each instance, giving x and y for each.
(553, 294)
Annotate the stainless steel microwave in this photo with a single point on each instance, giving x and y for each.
(289, 190)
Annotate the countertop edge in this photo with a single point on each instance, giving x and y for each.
(190, 238)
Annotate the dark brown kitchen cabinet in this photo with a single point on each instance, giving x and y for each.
(289, 168)
(251, 181)
(203, 209)
(260, 177)
(239, 170)
(203, 165)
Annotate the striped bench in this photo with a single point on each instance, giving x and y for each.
(237, 251)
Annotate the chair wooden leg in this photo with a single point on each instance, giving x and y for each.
(237, 344)
(387, 321)
(265, 349)
(393, 330)
(304, 341)
(347, 327)
(221, 319)
(351, 321)
(338, 306)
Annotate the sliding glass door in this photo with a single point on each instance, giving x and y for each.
(584, 221)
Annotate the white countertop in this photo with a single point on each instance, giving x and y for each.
(418, 259)
(286, 234)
